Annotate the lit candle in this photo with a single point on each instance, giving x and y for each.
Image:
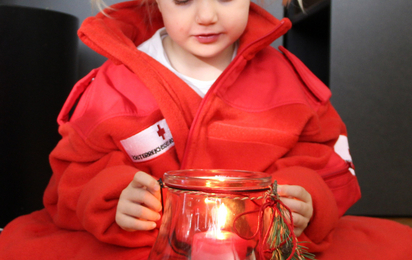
(218, 244)
(225, 246)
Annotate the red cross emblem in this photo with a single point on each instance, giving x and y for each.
(161, 132)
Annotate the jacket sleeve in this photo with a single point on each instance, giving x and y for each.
(314, 165)
(84, 189)
(90, 169)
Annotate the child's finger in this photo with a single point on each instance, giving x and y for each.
(129, 223)
(142, 196)
(295, 205)
(294, 191)
(142, 179)
(299, 221)
(138, 211)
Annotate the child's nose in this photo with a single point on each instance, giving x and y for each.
(206, 12)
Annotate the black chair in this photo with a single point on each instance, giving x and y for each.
(38, 56)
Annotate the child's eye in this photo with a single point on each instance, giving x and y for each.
(181, 2)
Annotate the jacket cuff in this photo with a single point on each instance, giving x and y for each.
(325, 210)
(97, 208)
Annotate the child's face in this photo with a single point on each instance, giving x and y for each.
(204, 28)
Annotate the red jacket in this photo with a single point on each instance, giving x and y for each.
(266, 112)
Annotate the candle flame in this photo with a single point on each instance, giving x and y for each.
(221, 221)
(220, 213)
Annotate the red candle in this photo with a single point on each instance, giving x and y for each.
(218, 245)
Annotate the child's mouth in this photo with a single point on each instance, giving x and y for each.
(207, 38)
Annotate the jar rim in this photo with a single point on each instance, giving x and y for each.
(217, 180)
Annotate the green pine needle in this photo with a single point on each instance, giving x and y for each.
(279, 233)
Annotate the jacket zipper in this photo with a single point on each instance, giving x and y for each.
(338, 172)
(212, 91)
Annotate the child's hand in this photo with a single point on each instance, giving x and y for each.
(139, 204)
(299, 201)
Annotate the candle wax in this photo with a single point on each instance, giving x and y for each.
(220, 245)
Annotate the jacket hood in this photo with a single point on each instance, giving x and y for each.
(128, 24)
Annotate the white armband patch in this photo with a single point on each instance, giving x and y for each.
(342, 149)
(149, 143)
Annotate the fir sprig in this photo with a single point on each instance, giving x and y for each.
(280, 238)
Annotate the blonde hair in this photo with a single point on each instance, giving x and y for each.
(99, 5)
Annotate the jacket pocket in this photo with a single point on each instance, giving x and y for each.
(246, 147)
(343, 184)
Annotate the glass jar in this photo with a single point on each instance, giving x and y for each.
(211, 214)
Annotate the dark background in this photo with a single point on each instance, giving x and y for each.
(363, 51)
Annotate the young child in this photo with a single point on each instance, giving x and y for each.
(194, 84)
